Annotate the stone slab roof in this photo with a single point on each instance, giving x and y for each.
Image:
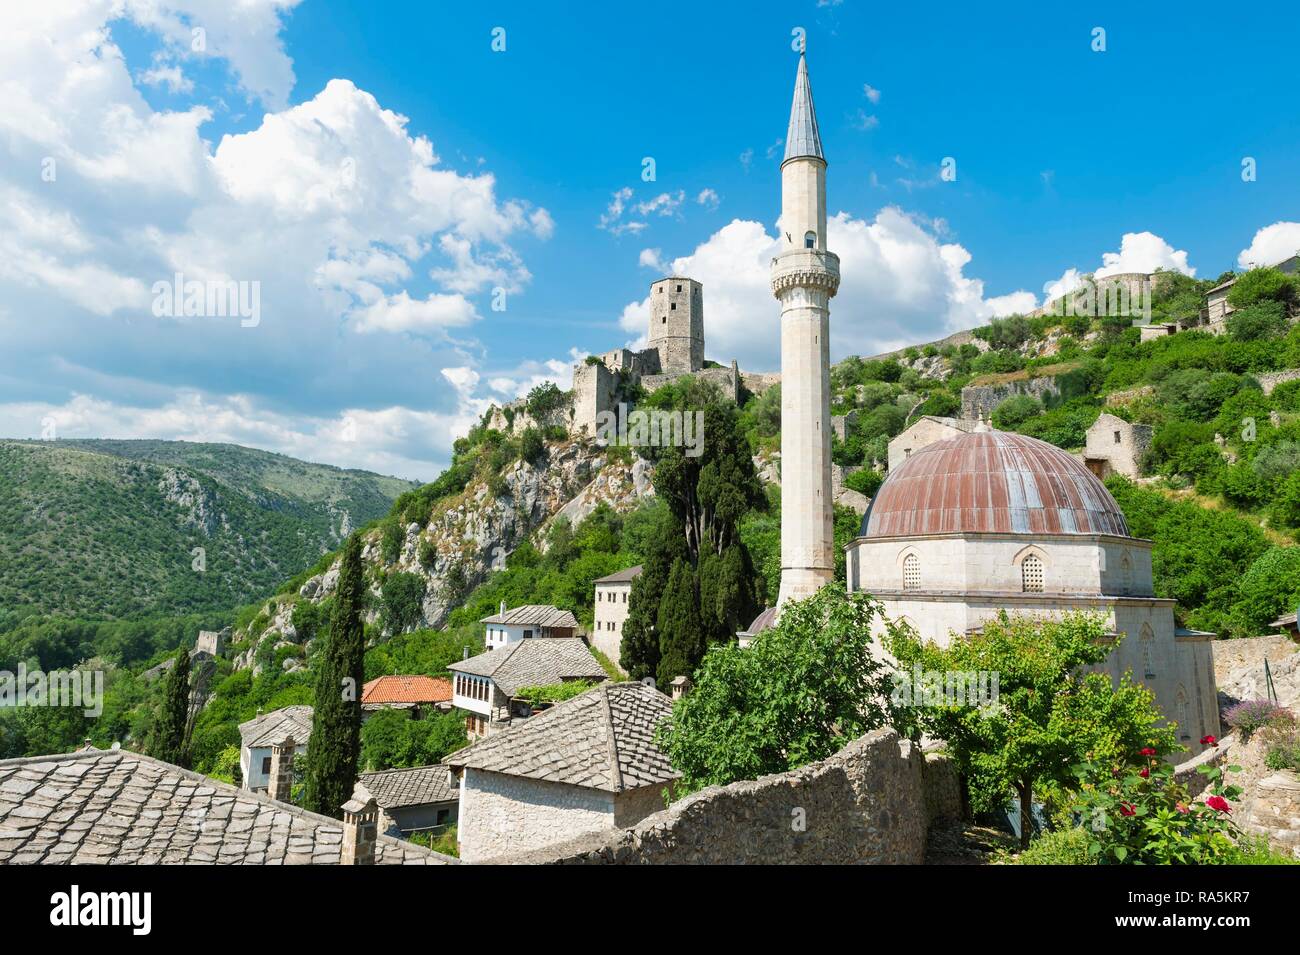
(114, 806)
(271, 728)
(602, 739)
(417, 786)
(534, 615)
(537, 662)
(406, 689)
(622, 576)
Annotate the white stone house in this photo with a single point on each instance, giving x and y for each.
(587, 764)
(1116, 446)
(485, 687)
(926, 430)
(258, 735)
(611, 602)
(991, 522)
(526, 622)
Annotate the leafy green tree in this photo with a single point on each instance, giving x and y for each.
(798, 693)
(167, 741)
(1262, 285)
(390, 739)
(1048, 715)
(1263, 320)
(335, 745)
(1015, 411)
(402, 596)
(1269, 588)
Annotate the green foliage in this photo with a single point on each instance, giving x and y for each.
(390, 739)
(402, 601)
(544, 399)
(1199, 556)
(1262, 285)
(798, 693)
(335, 745)
(532, 446)
(1263, 320)
(554, 692)
(1057, 847)
(1269, 588)
(1049, 713)
(423, 651)
(1015, 411)
(867, 481)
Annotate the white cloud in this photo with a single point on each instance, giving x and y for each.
(871, 93)
(708, 198)
(168, 75)
(1138, 252)
(651, 259)
(401, 313)
(664, 204)
(1272, 244)
(861, 121)
(365, 245)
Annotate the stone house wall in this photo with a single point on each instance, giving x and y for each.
(1115, 445)
(502, 814)
(610, 614)
(868, 803)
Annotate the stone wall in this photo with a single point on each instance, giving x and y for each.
(1117, 446)
(1231, 656)
(502, 814)
(978, 401)
(1272, 810)
(1270, 380)
(872, 802)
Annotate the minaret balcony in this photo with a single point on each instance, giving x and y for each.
(805, 267)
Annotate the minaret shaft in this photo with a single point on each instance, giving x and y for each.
(804, 278)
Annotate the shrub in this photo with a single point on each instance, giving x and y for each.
(867, 481)
(1136, 813)
(1262, 320)
(1281, 738)
(1261, 285)
(1250, 716)
(1015, 411)
(1058, 847)
(544, 399)
(531, 445)
(403, 601)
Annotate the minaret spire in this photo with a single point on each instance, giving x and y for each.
(804, 278)
(803, 137)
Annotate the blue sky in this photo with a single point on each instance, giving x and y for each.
(278, 154)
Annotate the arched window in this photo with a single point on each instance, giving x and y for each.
(911, 572)
(1183, 714)
(810, 240)
(1031, 574)
(1147, 639)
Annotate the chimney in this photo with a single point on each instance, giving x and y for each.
(681, 685)
(464, 655)
(503, 607)
(280, 786)
(360, 829)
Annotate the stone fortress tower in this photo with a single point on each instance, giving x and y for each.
(804, 278)
(677, 325)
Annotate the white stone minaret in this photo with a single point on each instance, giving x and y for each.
(804, 277)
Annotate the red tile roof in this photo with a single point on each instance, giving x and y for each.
(407, 689)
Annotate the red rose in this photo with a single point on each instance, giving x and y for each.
(1145, 773)
(1126, 809)
(1209, 741)
(1148, 751)
(1218, 804)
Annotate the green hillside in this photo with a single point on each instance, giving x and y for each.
(108, 529)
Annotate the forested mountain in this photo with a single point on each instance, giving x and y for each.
(112, 529)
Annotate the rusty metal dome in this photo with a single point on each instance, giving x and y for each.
(992, 482)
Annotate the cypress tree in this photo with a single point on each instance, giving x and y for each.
(681, 634)
(167, 738)
(335, 745)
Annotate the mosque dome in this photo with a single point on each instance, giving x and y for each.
(992, 482)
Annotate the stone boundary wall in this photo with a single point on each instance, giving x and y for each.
(1271, 379)
(872, 802)
(978, 401)
(1233, 655)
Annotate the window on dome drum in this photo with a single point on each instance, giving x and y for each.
(1031, 574)
(911, 572)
